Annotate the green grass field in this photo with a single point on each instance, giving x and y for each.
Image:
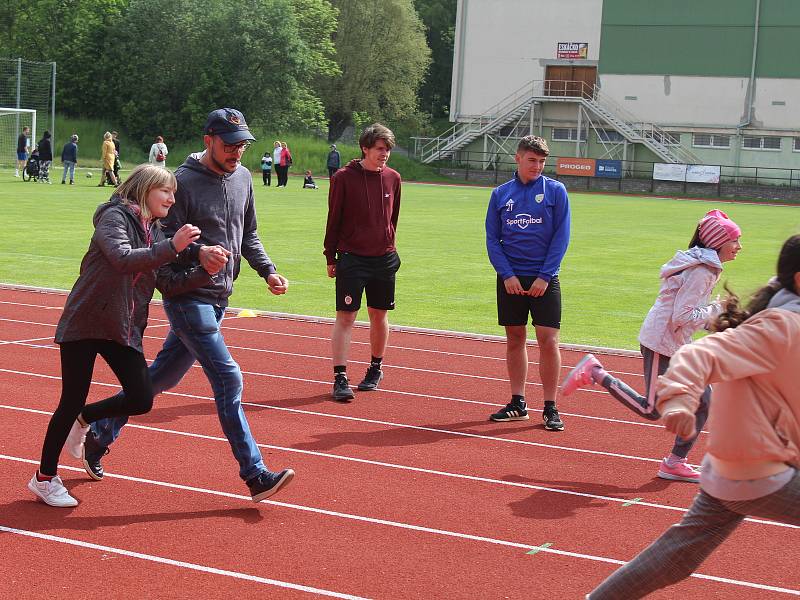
(609, 276)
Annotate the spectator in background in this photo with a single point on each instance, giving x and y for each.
(334, 160)
(69, 156)
(285, 163)
(308, 182)
(158, 153)
(45, 158)
(108, 154)
(23, 147)
(266, 168)
(276, 156)
(117, 165)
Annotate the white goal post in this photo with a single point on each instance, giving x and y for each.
(12, 120)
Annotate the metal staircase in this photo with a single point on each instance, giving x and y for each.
(514, 106)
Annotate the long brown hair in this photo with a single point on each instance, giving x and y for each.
(733, 314)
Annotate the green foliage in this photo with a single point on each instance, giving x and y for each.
(609, 276)
(90, 132)
(439, 17)
(381, 50)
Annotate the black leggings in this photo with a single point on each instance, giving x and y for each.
(77, 366)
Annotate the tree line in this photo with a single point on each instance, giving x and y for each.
(160, 66)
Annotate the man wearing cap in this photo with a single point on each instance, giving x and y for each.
(334, 160)
(216, 192)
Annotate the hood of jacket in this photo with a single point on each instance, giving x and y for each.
(786, 300)
(684, 259)
(130, 210)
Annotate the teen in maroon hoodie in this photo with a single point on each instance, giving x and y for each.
(363, 206)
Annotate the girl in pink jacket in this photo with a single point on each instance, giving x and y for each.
(754, 442)
(681, 309)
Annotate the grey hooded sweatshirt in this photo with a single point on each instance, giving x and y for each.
(110, 300)
(222, 207)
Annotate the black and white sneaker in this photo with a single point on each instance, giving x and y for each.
(341, 388)
(512, 412)
(552, 422)
(267, 484)
(92, 453)
(371, 379)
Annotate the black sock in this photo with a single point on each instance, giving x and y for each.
(339, 369)
(518, 400)
(549, 403)
(376, 362)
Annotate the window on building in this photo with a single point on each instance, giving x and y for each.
(711, 140)
(609, 135)
(755, 142)
(796, 144)
(568, 134)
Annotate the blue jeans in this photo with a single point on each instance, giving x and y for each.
(69, 166)
(195, 335)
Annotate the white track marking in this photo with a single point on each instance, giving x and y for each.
(178, 563)
(411, 527)
(25, 342)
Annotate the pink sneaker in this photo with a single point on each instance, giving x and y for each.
(580, 376)
(680, 471)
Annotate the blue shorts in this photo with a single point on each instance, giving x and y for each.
(22, 156)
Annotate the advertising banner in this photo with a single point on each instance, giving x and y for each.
(582, 167)
(669, 172)
(703, 174)
(608, 168)
(572, 50)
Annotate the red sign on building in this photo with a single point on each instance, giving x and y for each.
(573, 50)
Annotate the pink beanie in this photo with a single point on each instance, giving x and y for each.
(716, 229)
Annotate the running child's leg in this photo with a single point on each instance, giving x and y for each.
(683, 446)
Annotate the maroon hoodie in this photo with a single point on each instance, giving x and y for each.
(362, 211)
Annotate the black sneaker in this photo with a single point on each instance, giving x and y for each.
(371, 379)
(267, 483)
(512, 412)
(92, 453)
(552, 422)
(341, 388)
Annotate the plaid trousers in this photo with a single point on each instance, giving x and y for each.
(684, 546)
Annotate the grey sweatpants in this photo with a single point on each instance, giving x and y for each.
(684, 546)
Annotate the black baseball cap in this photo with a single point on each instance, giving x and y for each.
(229, 124)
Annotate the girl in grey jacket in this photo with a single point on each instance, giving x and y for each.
(106, 314)
(680, 310)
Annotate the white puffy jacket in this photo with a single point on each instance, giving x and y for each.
(682, 307)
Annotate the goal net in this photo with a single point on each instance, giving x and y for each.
(12, 122)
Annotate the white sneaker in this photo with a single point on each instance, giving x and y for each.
(52, 492)
(75, 439)
(16, 173)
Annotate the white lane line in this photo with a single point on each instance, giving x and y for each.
(435, 430)
(164, 323)
(178, 563)
(402, 467)
(411, 527)
(25, 342)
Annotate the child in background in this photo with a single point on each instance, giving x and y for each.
(266, 168)
(106, 314)
(752, 460)
(680, 310)
(308, 182)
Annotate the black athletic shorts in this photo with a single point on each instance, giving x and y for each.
(545, 310)
(375, 274)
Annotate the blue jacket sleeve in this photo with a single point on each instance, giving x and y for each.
(560, 239)
(493, 246)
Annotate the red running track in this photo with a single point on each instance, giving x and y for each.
(408, 492)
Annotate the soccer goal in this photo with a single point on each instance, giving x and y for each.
(12, 120)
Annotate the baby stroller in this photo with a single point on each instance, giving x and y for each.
(32, 167)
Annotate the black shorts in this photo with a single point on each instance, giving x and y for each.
(375, 274)
(513, 310)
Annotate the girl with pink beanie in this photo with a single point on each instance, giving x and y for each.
(680, 310)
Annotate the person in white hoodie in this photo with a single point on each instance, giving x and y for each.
(680, 310)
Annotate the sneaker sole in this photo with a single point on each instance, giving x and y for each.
(344, 397)
(672, 477)
(504, 419)
(568, 392)
(282, 483)
(87, 468)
